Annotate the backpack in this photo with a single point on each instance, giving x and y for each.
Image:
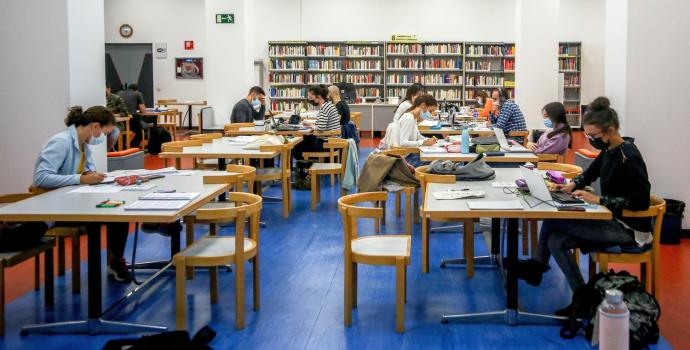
(643, 307)
(175, 340)
(302, 177)
(21, 236)
(157, 137)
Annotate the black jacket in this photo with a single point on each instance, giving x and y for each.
(344, 111)
(624, 183)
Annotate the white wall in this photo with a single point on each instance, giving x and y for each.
(34, 93)
(171, 21)
(656, 35)
(616, 57)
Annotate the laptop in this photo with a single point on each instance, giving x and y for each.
(537, 188)
(505, 146)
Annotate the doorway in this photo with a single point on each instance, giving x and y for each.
(127, 64)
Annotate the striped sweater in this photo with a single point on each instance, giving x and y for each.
(328, 118)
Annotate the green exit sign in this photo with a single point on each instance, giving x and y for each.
(225, 18)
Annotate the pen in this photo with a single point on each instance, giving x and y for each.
(457, 189)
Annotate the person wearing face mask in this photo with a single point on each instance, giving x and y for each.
(624, 185)
(486, 105)
(556, 138)
(415, 90)
(406, 131)
(509, 117)
(328, 119)
(66, 160)
(251, 108)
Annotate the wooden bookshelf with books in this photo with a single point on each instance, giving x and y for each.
(287, 68)
(569, 65)
(488, 66)
(364, 68)
(443, 70)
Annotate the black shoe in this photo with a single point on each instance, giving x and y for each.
(118, 271)
(531, 271)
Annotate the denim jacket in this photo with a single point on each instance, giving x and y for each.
(59, 159)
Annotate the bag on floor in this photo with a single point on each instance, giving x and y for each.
(644, 309)
(175, 340)
(302, 177)
(21, 236)
(157, 137)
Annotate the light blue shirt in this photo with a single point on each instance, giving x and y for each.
(58, 161)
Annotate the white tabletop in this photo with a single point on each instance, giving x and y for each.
(466, 157)
(458, 208)
(223, 148)
(59, 205)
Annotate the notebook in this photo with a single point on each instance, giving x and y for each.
(157, 205)
(174, 196)
(495, 205)
(457, 194)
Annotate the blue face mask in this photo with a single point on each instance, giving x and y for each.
(97, 140)
(548, 123)
(425, 115)
(256, 104)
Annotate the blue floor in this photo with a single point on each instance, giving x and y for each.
(302, 295)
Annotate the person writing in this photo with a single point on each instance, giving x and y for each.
(406, 132)
(415, 90)
(624, 185)
(251, 108)
(328, 119)
(556, 138)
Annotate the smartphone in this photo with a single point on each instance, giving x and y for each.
(573, 208)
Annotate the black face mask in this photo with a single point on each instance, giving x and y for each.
(598, 143)
(313, 103)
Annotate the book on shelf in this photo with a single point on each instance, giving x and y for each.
(443, 49)
(285, 50)
(483, 65)
(323, 50)
(286, 64)
(368, 92)
(363, 64)
(404, 78)
(508, 65)
(357, 50)
(324, 78)
(287, 92)
(568, 64)
(438, 78)
(370, 78)
(406, 49)
(325, 64)
(446, 94)
(484, 80)
(404, 63)
(287, 78)
(285, 105)
(443, 63)
(484, 50)
(569, 49)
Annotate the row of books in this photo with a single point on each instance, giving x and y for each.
(285, 105)
(478, 65)
(443, 79)
(443, 49)
(323, 50)
(396, 92)
(285, 50)
(368, 92)
(287, 64)
(325, 64)
(472, 94)
(572, 80)
(286, 78)
(404, 48)
(568, 50)
(444, 94)
(405, 63)
(443, 63)
(352, 50)
(288, 92)
(324, 78)
(370, 78)
(483, 80)
(404, 78)
(485, 50)
(363, 64)
(568, 64)
(508, 64)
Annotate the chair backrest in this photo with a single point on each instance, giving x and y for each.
(330, 133)
(568, 171)
(207, 116)
(14, 197)
(350, 211)
(165, 102)
(520, 133)
(342, 146)
(237, 126)
(552, 158)
(236, 175)
(169, 116)
(656, 210)
(207, 138)
(285, 154)
(400, 151)
(177, 146)
(246, 204)
(425, 178)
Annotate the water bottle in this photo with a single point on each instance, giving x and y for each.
(613, 323)
(465, 142)
(476, 116)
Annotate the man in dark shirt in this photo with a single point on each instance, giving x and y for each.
(135, 104)
(251, 108)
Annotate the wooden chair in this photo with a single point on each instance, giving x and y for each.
(229, 128)
(524, 134)
(60, 234)
(208, 164)
(213, 251)
(318, 169)
(281, 174)
(425, 178)
(178, 146)
(168, 121)
(322, 156)
(10, 259)
(550, 158)
(529, 227)
(648, 260)
(392, 250)
(410, 192)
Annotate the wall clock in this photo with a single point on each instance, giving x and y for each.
(126, 30)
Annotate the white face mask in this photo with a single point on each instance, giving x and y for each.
(97, 140)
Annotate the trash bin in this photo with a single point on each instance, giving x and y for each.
(673, 220)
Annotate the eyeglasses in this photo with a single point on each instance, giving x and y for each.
(597, 135)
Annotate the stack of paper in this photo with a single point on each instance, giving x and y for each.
(458, 194)
(428, 122)
(157, 205)
(163, 196)
(432, 149)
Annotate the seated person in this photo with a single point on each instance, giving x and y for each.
(509, 116)
(135, 105)
(328, 119)
(406, 133)
(486, 105)
(556, 138)
(624, 185)
(117, 106)
(251, 108)
(340, 105)
(415, 90)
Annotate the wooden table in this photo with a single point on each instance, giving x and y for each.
(446, 130)
(466, 157)
(120, 119)
(189, 105)
(260, 130)
(457, 210)
(51, 206)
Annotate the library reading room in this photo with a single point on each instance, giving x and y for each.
(382, 174)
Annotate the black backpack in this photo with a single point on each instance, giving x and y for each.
(302, 177)
(175, 340)
(157, 137)
(643, 307)
(21, 236)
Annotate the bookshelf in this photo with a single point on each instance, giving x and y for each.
(451, 71)
(569, 64)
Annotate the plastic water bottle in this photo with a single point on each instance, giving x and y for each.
(465, 142)
(613, 322)
(476, 116)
